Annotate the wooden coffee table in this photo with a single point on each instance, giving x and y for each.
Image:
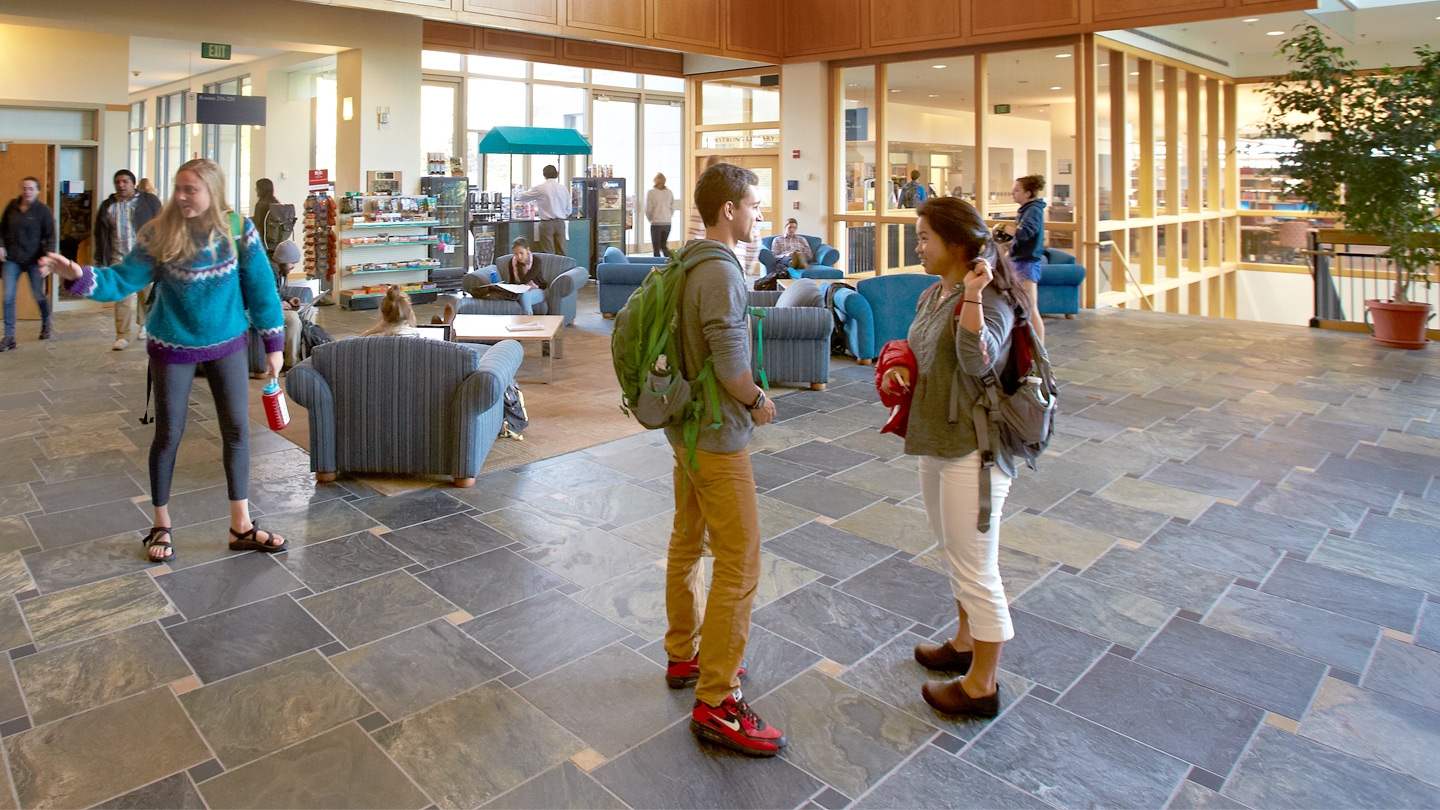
(489, 328)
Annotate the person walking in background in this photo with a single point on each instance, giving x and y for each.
(27, 232)
(270, 235)
(145, 185)
(659, 209)
(716, 496)
(1027, 252)
(961, 330)
(121, 216)
(552, 202)
(912, 193)
(216, 283)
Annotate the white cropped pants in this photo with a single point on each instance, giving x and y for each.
(951, 488)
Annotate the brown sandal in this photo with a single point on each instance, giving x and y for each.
(155, 538)
(247, 541)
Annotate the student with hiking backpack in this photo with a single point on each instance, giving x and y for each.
(961, 332)
(211, 282)
(701, 390)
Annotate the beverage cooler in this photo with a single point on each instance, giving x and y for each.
(601, 200)
(451, 232)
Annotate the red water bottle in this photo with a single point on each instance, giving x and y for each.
(276, 412)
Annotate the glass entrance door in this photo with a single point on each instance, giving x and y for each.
(616, 128)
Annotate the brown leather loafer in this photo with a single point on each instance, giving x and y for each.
(943, 658)
(950, 697)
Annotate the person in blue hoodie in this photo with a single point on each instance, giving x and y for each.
(212, 282)
(1027, 252)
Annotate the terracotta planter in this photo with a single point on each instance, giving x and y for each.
(1399, 325)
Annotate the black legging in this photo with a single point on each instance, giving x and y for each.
(660, 239)
(229, 379)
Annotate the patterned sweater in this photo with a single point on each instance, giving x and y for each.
(201, 310)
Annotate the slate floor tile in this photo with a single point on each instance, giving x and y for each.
(771, 472)
(88, 523)
(13, 632)
(246, 717)
(1429, 633)
(847, 738)
(1287, 771)
(1154, 497)
(1405, 568)
(318, 522)
(839, 627)
(571, 476)
(1283, 533)
(884, 479)
(333, 563)
(174, 792)
(1361, 493)
(1190, 722)
(902, 526)
(445, 540)
(342, 768)
(777, 517)
(1106, 517)
(619, 504)
(1081, 764)
(1224, 553)
(824, 456)
(933, 778)
(1398, 535)
(1407, 672)
(1054, 539)
(476, 745)
(1161, 578)
(540, 521)
(635, 601)
(78, 492)
(376, 607)
(489, 581)
(86, 758)
(232, 642)
(1208, 482)
(1351, 595)
(1249, 671)
(1049, 653)
(902, 587)
(829, 550)
(1379, 729)
(96, 671)
(543, 632)
(237, 580)
(415, 669)
(765, 784)
(1337, 640)
(497, 490)
(1304, 505)
(89, 610)
(829, 498)
(589, 557)
(409, 508)
(1100, 610)
(563, 787)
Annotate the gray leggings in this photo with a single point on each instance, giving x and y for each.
(229, 379)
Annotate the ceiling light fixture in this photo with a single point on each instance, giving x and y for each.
(939, 67)
(1057, 87)
(894, 89)
(934, 95)
(1104, 64)
(1251, 19)
(1274, 33)
(1062, 56)
(1134, 73)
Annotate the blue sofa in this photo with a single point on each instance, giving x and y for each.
(563, 282)
(859, 324)
(892, 299)
(618, 275)
(1058, 292)
(825, 255)
(796, 341)
(403, 405)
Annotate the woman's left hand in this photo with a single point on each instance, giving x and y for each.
(274, 361)
(979, 277)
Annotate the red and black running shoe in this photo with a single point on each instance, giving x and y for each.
(734, 725)
(685, 674)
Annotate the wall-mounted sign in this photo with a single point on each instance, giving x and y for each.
(1002, 109)
(792, 185)
(214, 50)
(226, 108)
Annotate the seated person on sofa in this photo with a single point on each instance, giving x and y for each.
(397, 317)
(287, 255)
(522, 268)
(791, 250)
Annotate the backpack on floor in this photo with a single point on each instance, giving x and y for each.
(311, 335)
(655, 388)
(838, 343)
(515, 419)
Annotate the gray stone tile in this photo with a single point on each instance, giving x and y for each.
(1215, 551)
(1196, 479)
(829, 550)
(910, 590)
(15, 534)
(90, 610)
(1265, 461)
(1429, 633)
(342, 768)
(1161, 578)
(88, 523)
(73, 494)
(413, 670)
(18, 499)
(903, 526)
(563, 787)
(1107, 517)
(1399, 459)
(1083, 426)
(1395, 566)
(228, 583)
(261, 711)
(639, 463)
(1322, 435)
(709, 772)
(1049, 653)
(1286, 771)
(489, 581)
(1100, 610)
(96, 671)
(15, 577)
(1399, 535)
(571, 476)
(635, 601)
(933, 778)
(1194, 796)
(497, 490)
(540, 522)
(847, 738)
(543, 632)
(1196, 724)
(1378, 474)
(777, 517)
(232, 642)
(1379, 729)
(1291, 503)
(1314, 633)
(1283, 533)
(877, 476)
(771, 472)
(838, 626)
(884, 446)
(1098, 766)
(619, 504)
(1115, 459)
(445, 540)
(334, 563)
(589, 557)
(1249, 671)
(1348, 594)
(409, 508)
(477, 745)
(824, 456)
(318, 522)
(13, 632)
(174, 792)
(83, 563)
(1054, 539)
(376, 607)
(1421, 510)
(1407, 672)
(829, 498)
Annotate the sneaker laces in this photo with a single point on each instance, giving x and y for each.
(747, 714)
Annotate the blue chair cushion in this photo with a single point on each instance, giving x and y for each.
(614, 255)
(1053, 256)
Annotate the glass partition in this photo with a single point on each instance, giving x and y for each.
(857, 139)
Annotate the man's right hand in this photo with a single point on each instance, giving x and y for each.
(765, 414)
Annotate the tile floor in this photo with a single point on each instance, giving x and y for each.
(1225, 580)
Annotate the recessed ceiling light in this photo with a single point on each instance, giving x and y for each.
(1134, 73)
(1056, 87)
(939, 67)
(895, 90)
(1251, 19)
(1062, 56)
(934, 95)
(1042, 109)
(1274, 33)
(853, 85)
(1104, 64)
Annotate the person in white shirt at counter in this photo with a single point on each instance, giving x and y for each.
(552, 202)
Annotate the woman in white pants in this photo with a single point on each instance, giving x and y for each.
(961, 330)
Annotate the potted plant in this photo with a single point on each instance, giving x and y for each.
(1365, 147)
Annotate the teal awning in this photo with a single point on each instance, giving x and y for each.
(534, 141)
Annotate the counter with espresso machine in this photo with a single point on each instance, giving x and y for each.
(495, 223)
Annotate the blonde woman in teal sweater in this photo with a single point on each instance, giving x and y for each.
(212, 282)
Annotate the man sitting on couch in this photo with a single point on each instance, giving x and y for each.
(791, 250)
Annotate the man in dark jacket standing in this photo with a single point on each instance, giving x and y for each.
(27, 232)
(121, 217)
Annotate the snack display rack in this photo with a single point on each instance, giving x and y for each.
(383, 241)
(320, 245)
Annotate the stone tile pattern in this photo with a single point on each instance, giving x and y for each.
(1176, 462)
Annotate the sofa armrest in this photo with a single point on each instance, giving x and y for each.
(859, 322)
(567, 283)
(478, 406)
(1062, 275)
(312, 392)
(628, 274)
(794, 323)
(828, 256)
(762, 298)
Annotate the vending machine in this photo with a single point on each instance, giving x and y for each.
(451, 233)
(601, 201)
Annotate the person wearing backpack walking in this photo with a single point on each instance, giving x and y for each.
(120, 218)
(961, 331)
(715, 492)
(1027, 252)
(212, 281)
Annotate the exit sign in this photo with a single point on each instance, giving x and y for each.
(214, 50)
(1000, 109)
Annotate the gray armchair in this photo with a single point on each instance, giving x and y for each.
(563, 280)
(403, 405)
(796, 345)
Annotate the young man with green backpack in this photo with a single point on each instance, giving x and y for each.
(693, 313)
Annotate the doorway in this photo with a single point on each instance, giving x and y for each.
(767, 170)
(23, 160)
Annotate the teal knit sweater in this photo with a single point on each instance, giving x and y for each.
(201, 310)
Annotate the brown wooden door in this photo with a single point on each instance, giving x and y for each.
(23, 160)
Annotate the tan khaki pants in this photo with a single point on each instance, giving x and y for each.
(130, 311)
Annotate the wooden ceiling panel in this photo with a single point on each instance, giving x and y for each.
(546, 11)
(895, 22)
(821, 26)
(663, 63)
(596, 52)
(611, 16)
(989, 18)
(753, 26)
(534, 46)
(687, 22)
(1122, 9)
(441, 34)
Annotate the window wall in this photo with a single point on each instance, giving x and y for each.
(737, 119)
(136, 160)
(633, 122)
(229, 146)
(173, 139)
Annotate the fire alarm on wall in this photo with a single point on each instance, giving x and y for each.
(795, 154)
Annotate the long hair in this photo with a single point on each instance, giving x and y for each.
(959, 225)
(265, 190)
(171, 238)
(395, 308)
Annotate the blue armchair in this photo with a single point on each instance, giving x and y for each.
(563, 280)
(618, 275)
(1058, 292)
(403, 405)
(892, 300)
(796, 345)
(859, 324)
(825, 255)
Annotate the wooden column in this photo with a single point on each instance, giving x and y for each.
(882, 169)
(1232, 203)
(1145, 134)
(1195, 231)
(982, 157)
(1119, 167)
(1172, 183)
(1213, 169)
(1084, 187)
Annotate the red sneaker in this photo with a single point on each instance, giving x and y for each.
(685, 674)
(734, 725)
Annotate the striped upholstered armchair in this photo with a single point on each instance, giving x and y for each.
(403, 405)
(796, 345)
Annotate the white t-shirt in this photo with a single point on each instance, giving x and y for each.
(659, 206)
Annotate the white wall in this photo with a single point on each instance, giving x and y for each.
(43, 64)
(1287, 298)
(804, 90)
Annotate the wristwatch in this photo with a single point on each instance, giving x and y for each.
(759, 401)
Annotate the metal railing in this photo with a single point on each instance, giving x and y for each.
(1348, 270)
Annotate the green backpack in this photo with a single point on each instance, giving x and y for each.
(646, 349)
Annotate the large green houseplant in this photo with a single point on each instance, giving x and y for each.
(1365, 147)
